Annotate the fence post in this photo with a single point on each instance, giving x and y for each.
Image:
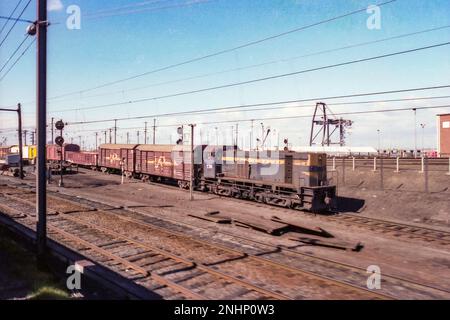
(422, 165)
(343, 171)
(375, 164)
(448, 173)
(354, 163)
(381, 173)
(398, 165)
(425, 160)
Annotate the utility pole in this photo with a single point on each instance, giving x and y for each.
(379, 141)
(105, 133)
(154, 131)
(33, 133)
(237, 134)
(145, 133)
(128, 138)
(191, 186)
(53, 125)
(138, 137)
(415, 132)
(25, 132)
(217, 136)
(251, 136)
(96, 141)
(115, 131)
(110, 136)
(19, 116)
(422, 125)
(41, 183)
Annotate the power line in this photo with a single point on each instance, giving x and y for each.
(95, 16)
(283, 75)
(290, 117)
(330, 104)
(129, 6)
(17, 60)
(263, 64)
(273, 103)
(337, 114)
(245, 45)
(15, 19)
(14, 53)
(15, 22)
(10, 16)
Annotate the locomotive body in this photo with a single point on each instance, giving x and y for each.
(283, 178)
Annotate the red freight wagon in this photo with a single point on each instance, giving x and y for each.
(111, 155)
(85, 159)
(182, 163)
(53, 151)
(154, 160)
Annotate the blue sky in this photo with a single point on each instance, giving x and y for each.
(111, 48)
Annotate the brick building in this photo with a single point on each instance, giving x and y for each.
(443, 126)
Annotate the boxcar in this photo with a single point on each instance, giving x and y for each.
(84, 159)
(54, 151)
(154, 161)
(111, 157)
(169, 163)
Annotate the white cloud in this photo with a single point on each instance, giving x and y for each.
(55, 5)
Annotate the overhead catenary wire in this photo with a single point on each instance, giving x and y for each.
(10, 16)
(272, 103)
(95, 16)
(278, 76)
(259, 64)
(14, 24)
(279, 118)
(13, 54)
(16, 19)
(239, 47)
(17, 60)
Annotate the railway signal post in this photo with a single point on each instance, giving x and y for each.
(191, 185)
(60, 142)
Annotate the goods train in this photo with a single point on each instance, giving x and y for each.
(285, 178)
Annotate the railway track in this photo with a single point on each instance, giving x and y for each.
(285, 259)
(191, 259)
(395, 229)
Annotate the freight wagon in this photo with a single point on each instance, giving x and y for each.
(117, 157)
(83, 159)
(54, 152)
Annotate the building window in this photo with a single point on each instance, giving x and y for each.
(446, 125)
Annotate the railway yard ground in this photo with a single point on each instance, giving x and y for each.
(162, 246)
